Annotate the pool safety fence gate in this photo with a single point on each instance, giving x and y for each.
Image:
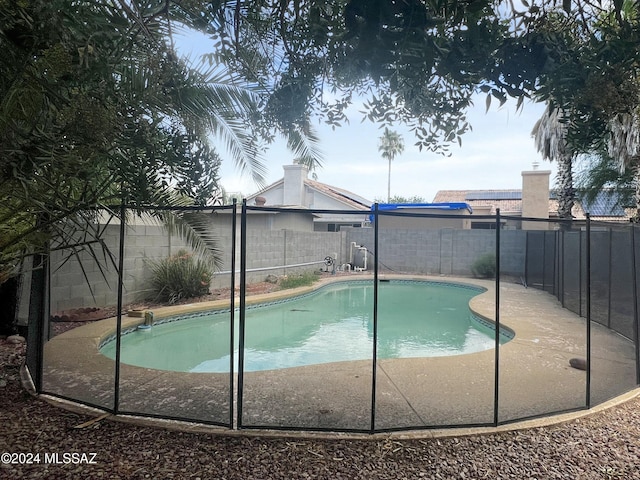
(568, 293)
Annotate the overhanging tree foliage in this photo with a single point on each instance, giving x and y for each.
(96, 108)
(595, 83)
(413, 61)
(94, 100)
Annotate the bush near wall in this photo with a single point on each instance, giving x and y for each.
(179, 276)
(485, 266)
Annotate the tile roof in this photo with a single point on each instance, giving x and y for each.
(350, 199)
(345, 196)
(604, 207)
(483, 198)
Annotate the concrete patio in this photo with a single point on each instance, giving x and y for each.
(535, 377)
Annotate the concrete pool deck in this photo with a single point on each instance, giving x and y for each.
(535, 377)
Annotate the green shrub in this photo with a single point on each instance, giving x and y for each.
(295, 281)
(178, 277)
(485, 266)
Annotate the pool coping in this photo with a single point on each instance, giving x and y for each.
(87, 338)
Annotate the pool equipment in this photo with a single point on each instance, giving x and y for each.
(148, 321)
(358, 257)
(330, 261)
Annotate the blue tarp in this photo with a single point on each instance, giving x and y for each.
(421, 206)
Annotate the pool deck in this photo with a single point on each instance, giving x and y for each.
(535, 378)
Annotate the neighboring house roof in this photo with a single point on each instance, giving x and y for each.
(345, 196)
(350, 200)
(508, 201)
(604, 207)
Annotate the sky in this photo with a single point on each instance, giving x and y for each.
(492, 155)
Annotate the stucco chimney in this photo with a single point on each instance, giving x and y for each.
(294, 177)
(535, 198)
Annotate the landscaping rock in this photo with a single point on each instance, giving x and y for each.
(15, 339)
(578, 363)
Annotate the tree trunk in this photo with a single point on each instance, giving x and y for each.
(565, 192)
(389, 183)
(635, 218)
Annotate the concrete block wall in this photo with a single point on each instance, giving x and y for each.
(436, 251)
(144, 243)
(445, 251)
(81, 282)
(267, 249)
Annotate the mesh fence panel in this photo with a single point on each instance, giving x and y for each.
(423, 379)
(613, 356)
(535, 268)
(546, 337)
(83, 288)
(622, 294)
(601, 270)
(405, 390)
(571, 260)
(180, 366)
(307, 358)
(550, 262)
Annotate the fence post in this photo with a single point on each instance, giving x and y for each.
(588, 306)
(636, 326)
(232, 307)
(116, 383)
(610, 281)
(376, 228)
(496, 388)
(38, 313)
(243, 291)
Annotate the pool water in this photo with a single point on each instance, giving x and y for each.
(334, 324)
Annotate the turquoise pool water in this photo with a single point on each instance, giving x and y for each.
(333, 324)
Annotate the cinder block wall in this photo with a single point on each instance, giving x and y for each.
(434, 252)
(82, 282)
(445, 251)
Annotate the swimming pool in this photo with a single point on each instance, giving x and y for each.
(332, 324)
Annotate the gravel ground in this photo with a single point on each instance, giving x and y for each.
(605, 445)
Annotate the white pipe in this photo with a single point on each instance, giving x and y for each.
(364, 262)
(353, 244)
(273, 268)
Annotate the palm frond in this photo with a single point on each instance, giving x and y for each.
(624, 140)
(550, 134)
(304, 143)
(195, 229)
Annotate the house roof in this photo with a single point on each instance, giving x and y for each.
(508, 201)
(345, 196)
(349, 199)
(604, 207)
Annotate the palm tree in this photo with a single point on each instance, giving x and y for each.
(624, 149)
(391, 144)
(120, 116)
(550, 136)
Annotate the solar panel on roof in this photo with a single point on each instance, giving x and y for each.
(494, 195)
(604, 205)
